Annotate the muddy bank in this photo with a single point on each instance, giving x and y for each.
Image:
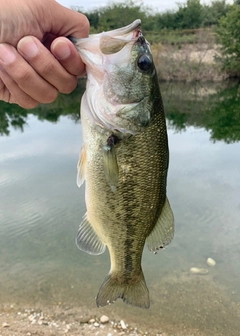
(188, 63)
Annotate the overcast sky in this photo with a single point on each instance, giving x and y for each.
(160, 5)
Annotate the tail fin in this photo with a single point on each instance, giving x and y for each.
(135, 294)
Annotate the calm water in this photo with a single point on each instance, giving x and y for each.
(41, 208)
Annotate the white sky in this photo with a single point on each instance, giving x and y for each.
(160, 5)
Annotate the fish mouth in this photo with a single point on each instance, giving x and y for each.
(109, 42)
(135, 27)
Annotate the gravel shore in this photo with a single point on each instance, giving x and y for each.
(72, 322)
(29, 322)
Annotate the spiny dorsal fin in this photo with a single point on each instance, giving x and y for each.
(163, 231)
(110, 166)
(81, 167)
(87, 240)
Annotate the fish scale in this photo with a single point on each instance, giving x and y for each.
(124, 161)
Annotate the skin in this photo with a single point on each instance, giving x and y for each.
(37, 61)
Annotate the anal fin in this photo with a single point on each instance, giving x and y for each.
(87, 240)
(163, 231)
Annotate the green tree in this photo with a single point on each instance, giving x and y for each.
(212, 13)
(190, 14)
(116, 15)
(222, 119)
(228, 35)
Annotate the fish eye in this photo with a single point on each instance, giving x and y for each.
(144, 62)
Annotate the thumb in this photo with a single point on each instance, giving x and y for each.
(65, 22)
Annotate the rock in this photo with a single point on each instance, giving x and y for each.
(91, 320)
(123, 325)
(84, 320)
(199, 271)
(211, 262)
(5, 325)
(104, 319)
(96, 324)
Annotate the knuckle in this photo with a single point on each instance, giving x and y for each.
(4, 93)
(46, 69)
(49, 96)
(84, 25)
(69, 86)
(22, 76)
(28, 103)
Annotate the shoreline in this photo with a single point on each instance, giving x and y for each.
(75, 322)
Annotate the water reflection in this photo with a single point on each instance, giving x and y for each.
(41, 208)
(12, 115)
(213, 107)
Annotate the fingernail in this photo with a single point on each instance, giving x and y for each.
(28, 47)
(61, 50)
(7, 55)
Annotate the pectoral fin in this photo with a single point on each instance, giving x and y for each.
(163, 231)
(87, 240)
(110, 166)
(81, 167)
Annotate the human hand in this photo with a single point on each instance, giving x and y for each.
(34, 69)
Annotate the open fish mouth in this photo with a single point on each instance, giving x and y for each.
(110, 42)
(135, 27)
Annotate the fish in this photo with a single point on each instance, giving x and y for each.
(123, 161)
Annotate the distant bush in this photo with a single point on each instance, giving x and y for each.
(228, 34)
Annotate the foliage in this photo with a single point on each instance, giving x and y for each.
(14, 116)
(213, 12)
(223, 119)
(228, 33)
(116, 15)
(189, 15)
(218, 111)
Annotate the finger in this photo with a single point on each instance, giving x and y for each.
(46, 65)
(68, 56)
(27, 79)
(11, 93)
(67, 22)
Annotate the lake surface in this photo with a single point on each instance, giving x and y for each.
(41, 209)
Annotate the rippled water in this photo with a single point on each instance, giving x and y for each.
(41, 208)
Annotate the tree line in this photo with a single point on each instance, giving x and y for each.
(191, 14)
(221, 17)
(218, 112)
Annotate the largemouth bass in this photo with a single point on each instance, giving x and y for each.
(124, 160)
